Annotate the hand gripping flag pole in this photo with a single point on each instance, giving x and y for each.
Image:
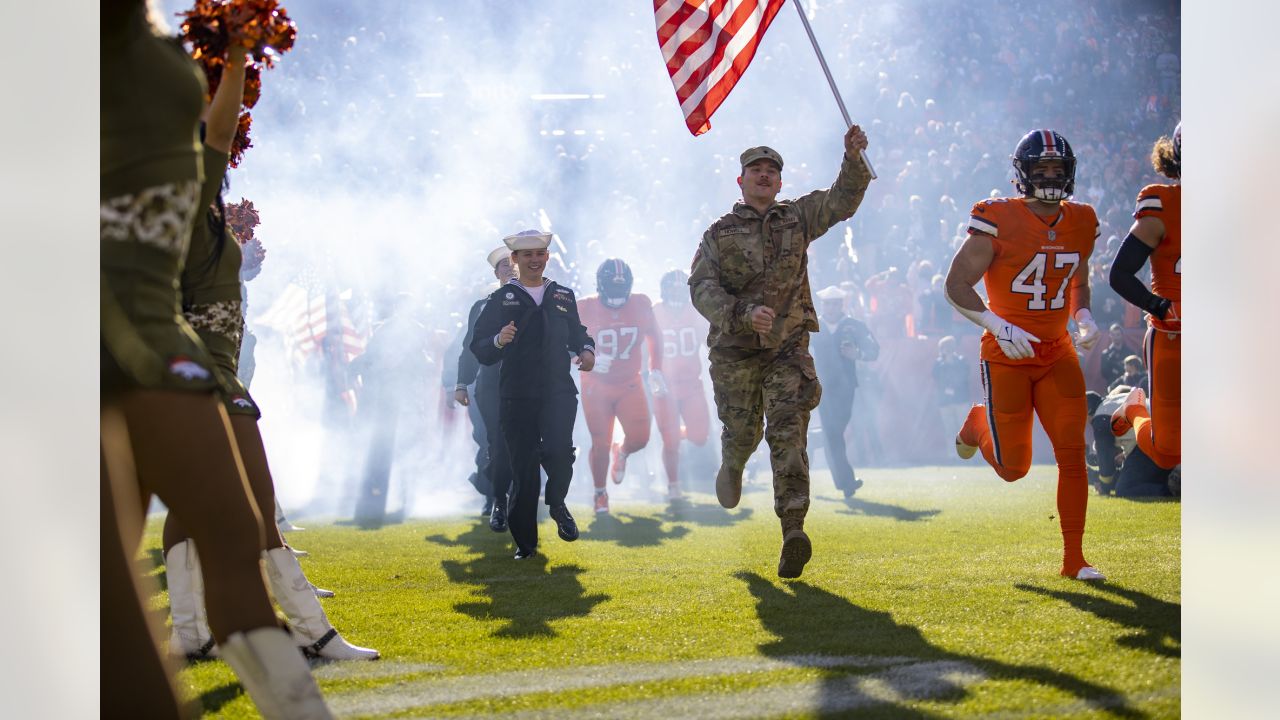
(831, 81)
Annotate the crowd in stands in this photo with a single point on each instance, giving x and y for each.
(954, 86)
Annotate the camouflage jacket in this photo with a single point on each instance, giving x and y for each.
(746, 260)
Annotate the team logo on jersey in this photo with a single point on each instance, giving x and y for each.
(241, 401)
(1053, 234)
(188, 369)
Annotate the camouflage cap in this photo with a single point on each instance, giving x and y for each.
(762, 152)
(496, 256)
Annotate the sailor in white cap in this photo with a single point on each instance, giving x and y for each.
(836, 349)
(493, 468)
(531, 326)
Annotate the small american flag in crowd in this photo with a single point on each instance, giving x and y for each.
(707, 45)
(301, 316)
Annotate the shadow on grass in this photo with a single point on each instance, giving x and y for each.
(1158, 622)
(528, 595)
(867, 659)
(704, 513)
(630, 530)
(213, 700)
(857, 506)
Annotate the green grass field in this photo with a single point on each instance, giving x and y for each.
(934, 593)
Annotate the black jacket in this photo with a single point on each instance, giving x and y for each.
(836, 371)
(536, 363)
(469, 369)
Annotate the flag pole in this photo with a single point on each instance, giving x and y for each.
(834, 90)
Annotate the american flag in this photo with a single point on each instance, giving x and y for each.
(708, 45)
(300, 315)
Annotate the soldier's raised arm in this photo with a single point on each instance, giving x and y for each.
(823, 208)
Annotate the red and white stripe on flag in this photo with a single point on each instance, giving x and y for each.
(707, 45)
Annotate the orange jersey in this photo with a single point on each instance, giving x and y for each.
(1029, 279)
(619, 333)
(1165, 202)
(684, 335)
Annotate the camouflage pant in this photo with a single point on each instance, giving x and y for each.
(777, 389)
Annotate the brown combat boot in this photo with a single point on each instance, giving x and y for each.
(796, 548)
(728, 486)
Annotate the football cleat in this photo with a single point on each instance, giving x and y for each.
(602, 503)
(970, 433)
(619, 464)
(1090, 573)
(1120, 418)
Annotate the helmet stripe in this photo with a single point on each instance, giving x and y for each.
(1048, 140)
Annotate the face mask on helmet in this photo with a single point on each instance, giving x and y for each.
(1040, 145)
(613, 282)
(675, 288)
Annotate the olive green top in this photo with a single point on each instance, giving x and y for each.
(152, 95)
(207, 283)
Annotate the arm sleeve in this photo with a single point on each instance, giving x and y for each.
(713, 302)
(1124, 277)
(654, 336)
(823, 208)
(487, 325)
(468, 366)
(579, 340)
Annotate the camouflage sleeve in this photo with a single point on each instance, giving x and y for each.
(722, 310)
(823, 208)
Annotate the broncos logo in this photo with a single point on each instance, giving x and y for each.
(188, 369)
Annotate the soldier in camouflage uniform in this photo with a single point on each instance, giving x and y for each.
(750, 280)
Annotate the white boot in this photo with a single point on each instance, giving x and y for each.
(190, 637)
(275, 675)
(310, 625)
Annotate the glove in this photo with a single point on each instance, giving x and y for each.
(1014, 342)
(1088, 329)
(657, 383)
(603, 361)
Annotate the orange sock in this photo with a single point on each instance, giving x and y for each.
(1143, 433)
(1073, 502)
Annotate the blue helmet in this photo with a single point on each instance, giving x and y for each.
(1040, 145)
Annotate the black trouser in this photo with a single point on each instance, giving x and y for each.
(383, 412)
(482, 429)
(497, 464)
(1104, 445)
(1141, 477)
(836, 409)
(526, 422)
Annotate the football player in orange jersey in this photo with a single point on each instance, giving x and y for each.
(684, 333)
(1032, 255)
(1157, 234)
(620, 321)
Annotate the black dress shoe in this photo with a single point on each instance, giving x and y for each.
(522, 554)
(498, 518)
(565, 526)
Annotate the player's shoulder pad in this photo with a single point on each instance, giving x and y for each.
(642, 299)
(985, 215)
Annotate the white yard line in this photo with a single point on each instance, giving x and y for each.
(918, 681)
(421, 693)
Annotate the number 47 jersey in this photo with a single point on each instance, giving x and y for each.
(1035, 263)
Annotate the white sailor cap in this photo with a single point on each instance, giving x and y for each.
(528, 240)
(831, 292)
(496, 256)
